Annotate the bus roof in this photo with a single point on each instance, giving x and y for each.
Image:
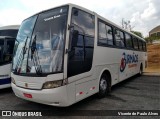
(10, 27)
(103, 18)
(93, 13)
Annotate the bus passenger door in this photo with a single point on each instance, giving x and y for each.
(76, 55)
(80, 54)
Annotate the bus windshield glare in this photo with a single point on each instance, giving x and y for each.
(39, 47)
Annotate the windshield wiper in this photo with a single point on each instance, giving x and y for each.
(35, 57)
(24, 48)
(22, 53)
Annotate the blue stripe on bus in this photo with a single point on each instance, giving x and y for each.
(5, 81)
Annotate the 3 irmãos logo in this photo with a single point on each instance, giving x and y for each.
(129, 59)
(123, 63)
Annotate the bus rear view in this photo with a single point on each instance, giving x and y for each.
(7, 39)
(6, 51)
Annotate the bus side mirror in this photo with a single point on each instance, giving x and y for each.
(75, 37)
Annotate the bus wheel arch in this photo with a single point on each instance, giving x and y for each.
(105, 79)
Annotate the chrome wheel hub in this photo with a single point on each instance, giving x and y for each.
(103, 84)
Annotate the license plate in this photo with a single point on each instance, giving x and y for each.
(27, 95)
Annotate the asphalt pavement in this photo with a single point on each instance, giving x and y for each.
(136, 93)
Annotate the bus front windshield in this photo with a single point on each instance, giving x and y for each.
(40, 43)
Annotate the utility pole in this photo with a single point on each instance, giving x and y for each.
(127, 25)
(122, 23)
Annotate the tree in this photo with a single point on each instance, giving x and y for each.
(152, 38)
(137, 33)
(147, 39)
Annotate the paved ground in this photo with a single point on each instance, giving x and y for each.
(153, 69)
(136, 93)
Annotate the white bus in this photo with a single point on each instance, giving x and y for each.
(7, 40)
(65, 54)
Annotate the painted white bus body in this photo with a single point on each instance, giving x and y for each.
(5, 79)
(5, 69)
(82, 85)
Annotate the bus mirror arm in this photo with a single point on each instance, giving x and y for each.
(67, 51)
(70, 51)
(70, 27)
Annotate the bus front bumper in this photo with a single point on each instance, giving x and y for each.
(54, 97)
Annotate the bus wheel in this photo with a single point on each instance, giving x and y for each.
(141, 70)
(103, 86)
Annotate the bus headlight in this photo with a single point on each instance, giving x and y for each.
(52, 84)
(12, 80)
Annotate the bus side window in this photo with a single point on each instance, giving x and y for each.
(9, 32)
(105, 34)
(135, 43)
(128, 39)
(9, 51)
(145, 47)
(1, 50)
(140, 45)
(10, 46)
(109, 32)
(102, 37)
(119, 36)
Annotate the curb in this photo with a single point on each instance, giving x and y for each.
(151, 73)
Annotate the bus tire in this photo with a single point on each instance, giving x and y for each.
(104, 86)
(141, 70)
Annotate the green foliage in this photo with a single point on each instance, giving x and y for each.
(152, 38)
(138, 33)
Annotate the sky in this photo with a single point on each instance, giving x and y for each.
(143, 15)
